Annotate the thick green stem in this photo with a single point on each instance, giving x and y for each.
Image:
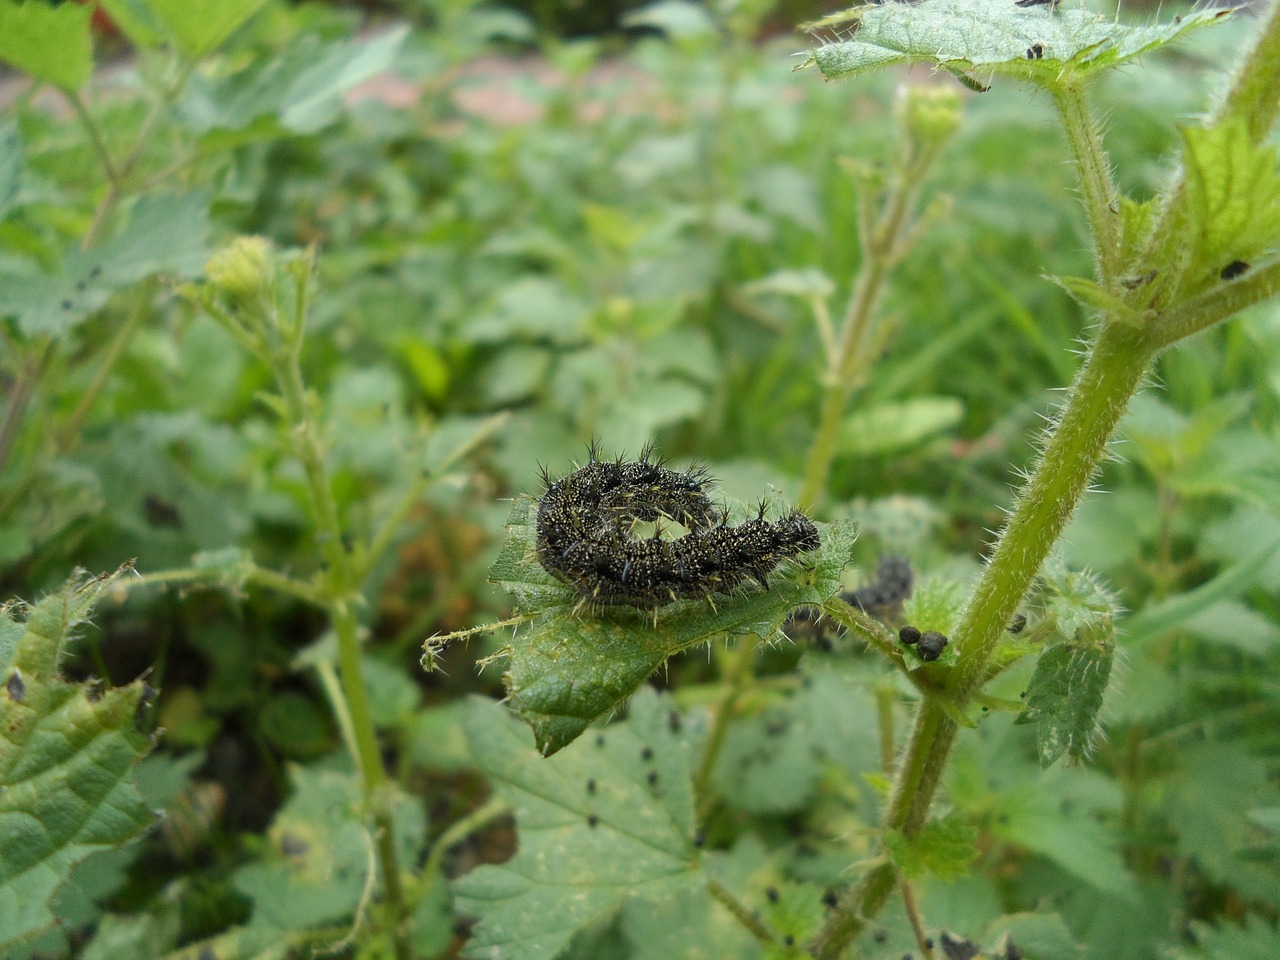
(1097, 400)
(1097, 188)
(919, 772)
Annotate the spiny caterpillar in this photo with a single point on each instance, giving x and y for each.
(585, 523)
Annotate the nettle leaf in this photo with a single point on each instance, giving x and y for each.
(568, 666)
(165, 235)
(67, 757)
(199, 26)
(773, 759)
(1065, 693)
(1041, 44)
(51, 43)
(897, 425)
(609, 818)
(944, 847)
(1231, 208)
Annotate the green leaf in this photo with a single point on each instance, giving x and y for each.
(900, 425)
(944, 847)
(1256, 940)
(773, 760)
(568, 668)
(1231, 207)
(67, 755)
(302, 88)
(52, 44)
(1041, 936)
(1065, 693)
(610, 817)
(165, 235)
(199, 26)
(809, 283)
(1095, 297)
(1042, 44)
(136, 20)
(11, 164)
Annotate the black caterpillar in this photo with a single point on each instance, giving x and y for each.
(584, 535)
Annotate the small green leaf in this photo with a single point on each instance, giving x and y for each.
(900, 425)
(567, 668)
(67, 755)
(944, 848)
(51, 43)
(165, 234)
(1044, 936)
(1231, 207)
(610, 817)
(807, 284)
(1042, 44)
(199, 26)
(1094, 296)
(1065, 693)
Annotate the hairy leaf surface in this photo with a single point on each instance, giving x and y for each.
(67, 757)
(609, 818)
(1041, 44)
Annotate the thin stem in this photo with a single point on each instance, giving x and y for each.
(460, 830)
(340, 597)
(883, 245)
(744, 916)
(912, 909)
(71, 429)
(737, 675)
(95, 138)
(1094, 170)
(251, 574)
(20, 397)
(1216, 305)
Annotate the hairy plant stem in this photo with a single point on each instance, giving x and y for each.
(339, 593)
(740, 913)
(1097, 188)
(884, 242)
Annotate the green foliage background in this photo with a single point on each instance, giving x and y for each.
(525, 242)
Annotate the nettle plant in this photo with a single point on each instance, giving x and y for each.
(624, 836)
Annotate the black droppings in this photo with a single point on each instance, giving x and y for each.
(909, 635)
(1234, 269)
(15, 686)
(772, 894)
(931, 645)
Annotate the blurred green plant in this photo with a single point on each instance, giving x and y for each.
(512, 257)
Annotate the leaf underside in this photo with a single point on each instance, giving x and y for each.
(1040, 43)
